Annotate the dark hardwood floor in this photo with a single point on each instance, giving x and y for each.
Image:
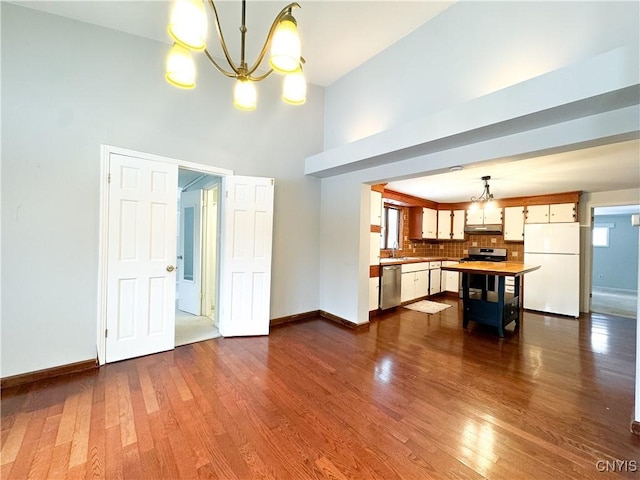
(414, 397)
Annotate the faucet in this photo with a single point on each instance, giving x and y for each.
(394, 249)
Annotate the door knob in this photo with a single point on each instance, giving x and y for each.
(170, 268)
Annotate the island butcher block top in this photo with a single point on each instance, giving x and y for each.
(506, 269)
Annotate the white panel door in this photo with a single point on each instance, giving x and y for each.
(141, 251)
(245, 283)
(190, 252)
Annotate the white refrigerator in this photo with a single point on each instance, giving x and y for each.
(555, 286)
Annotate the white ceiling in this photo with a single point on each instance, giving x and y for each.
(603, 168)
(337, 36)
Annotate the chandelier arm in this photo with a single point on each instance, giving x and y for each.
(218, 67)
(223, 44)
(263, 52)
(261, 77)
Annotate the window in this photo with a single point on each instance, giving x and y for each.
(601, 234)
(390, 237)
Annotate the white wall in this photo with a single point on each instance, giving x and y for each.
(469, 50)
(69, 87)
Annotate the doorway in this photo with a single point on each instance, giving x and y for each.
(614, 282)
(137, 265)
(197, 257)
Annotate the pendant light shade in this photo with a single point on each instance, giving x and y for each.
(188, 24)
(181, 70)
(294, 88)
(285, 46)
(244, 95)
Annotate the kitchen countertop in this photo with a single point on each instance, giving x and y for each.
(401, 260)
(507, 269)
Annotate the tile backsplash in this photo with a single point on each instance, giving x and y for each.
(453, 248)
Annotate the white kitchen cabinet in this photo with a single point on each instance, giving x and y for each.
(450, 280)
(475, 217)
(457, 231)
(554, 213)
(492, 215)
(374, 248)
(414, 281)
(444, 224)
(374, 293)
(376, 208)
(451, 224)
(488, 216)
(435, 282)
(429, 223)
(562, 213)
(537, 214)
(514, 223)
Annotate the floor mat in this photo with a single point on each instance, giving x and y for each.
(426, 306)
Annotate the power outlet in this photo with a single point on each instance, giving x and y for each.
(441, 247)
(474, 244)
(494, 240)
(514, 254)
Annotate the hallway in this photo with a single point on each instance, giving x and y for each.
(612, 301)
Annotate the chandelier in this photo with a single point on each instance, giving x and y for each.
(485, 199)
(188, 28)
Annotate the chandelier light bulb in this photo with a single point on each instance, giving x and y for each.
(188, 24)
(245, 95)
(181, 70)
(285, 46)
(294, 88)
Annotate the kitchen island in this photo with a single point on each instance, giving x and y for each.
(492, 308)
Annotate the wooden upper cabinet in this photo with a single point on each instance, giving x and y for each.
(423, 223)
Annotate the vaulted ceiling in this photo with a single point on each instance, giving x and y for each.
(338, 36)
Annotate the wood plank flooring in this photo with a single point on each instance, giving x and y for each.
(413, 397)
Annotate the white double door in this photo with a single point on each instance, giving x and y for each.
(139, 292)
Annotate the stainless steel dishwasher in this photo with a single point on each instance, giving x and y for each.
(390, 287)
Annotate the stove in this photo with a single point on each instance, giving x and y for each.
(477, 254)
(483, 286)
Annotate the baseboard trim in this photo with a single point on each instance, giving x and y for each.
(24, 378)
(635, 428)
(341, 321)
(298, 317)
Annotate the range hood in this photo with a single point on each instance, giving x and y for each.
(480, 229)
